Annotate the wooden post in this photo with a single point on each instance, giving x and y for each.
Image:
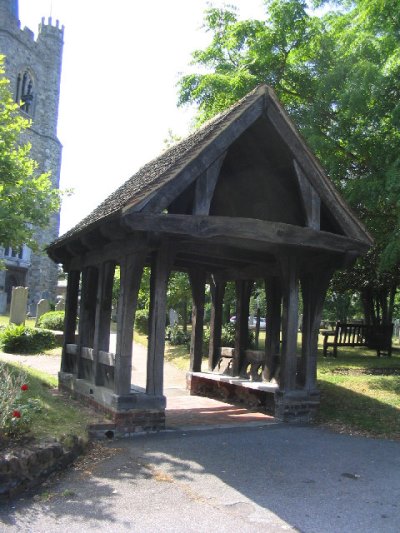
(103, 317)
(290, 292)
(131, 268)
(160, 269)
(197, 278)
(273, 292)
(87, 317)
(314, 286)
(71, 313)
(217, 300)
(243, 289)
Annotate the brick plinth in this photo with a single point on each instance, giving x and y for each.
(122, 423)
(228, 391)
(297, 406)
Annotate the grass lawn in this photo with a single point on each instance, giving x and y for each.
(58, 415)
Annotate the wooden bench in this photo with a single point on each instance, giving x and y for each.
(375, 337)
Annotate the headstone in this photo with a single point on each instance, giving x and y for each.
(397, 327)
(42, 307)
(173, 317)
(60, 305)
(19, 300)
(3, 302)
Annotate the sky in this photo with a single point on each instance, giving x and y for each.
(121, 63)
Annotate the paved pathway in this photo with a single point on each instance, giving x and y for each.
(264, 479)
(183, 411)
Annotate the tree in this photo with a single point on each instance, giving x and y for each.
(27, 199)
(338, 76)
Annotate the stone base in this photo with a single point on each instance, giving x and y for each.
(128, 414)
(295, 406)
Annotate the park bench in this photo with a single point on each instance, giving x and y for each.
(376, 337)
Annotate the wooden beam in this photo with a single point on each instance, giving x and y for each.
(114, 251)
(160, 270)
(310, 199)
(243, 290)
(71, 314)
(314, 287)
(257, 234)
(217, 299)
(87, 316)
(205, 186)
(197, 277)
(103, 317)
(290, 304)
(131, 268)
(273, 293)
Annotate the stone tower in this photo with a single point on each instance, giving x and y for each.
(33, 67)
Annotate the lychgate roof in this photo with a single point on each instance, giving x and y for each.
(248, 163)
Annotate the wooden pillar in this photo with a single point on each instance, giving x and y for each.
(103, 317)
(197, 278)
(273, 292)
(87, 317)
(131, 268)
(290, 291)
(160, 269)
(314, 286)
(243, 289)
(217, 300)
(71, 313)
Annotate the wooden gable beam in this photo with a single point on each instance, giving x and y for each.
(245, 232)
(205, 186)
(331, 198)
(310, 199)
(197, 162)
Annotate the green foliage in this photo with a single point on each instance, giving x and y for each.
(227, 337)
(338, 76)
(21, 339)
(142, 321)
(53, 320)
(177, 336)
(16, 409)
(27, 199)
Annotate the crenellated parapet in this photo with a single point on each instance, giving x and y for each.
(50, 30)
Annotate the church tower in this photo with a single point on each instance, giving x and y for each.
(33, 67)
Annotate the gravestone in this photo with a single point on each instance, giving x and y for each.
(60, 305)
(42, 307)
(19, 300)
(173, 317)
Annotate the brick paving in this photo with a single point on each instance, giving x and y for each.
(196, 411)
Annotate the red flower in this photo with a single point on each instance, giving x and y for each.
(16, 414)
(24, 387)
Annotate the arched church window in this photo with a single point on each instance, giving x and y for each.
(25, 92)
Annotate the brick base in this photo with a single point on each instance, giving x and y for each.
(295, 406)
(122, 423)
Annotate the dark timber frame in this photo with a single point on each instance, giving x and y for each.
(242, 199)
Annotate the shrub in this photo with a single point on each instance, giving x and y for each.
(15, 409)
(53, 320)
(227, 337)
(177, 336)
(142, 321)
(21, 339)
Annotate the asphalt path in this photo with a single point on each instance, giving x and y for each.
(248, 479)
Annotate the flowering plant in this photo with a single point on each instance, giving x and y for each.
(15, 407)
